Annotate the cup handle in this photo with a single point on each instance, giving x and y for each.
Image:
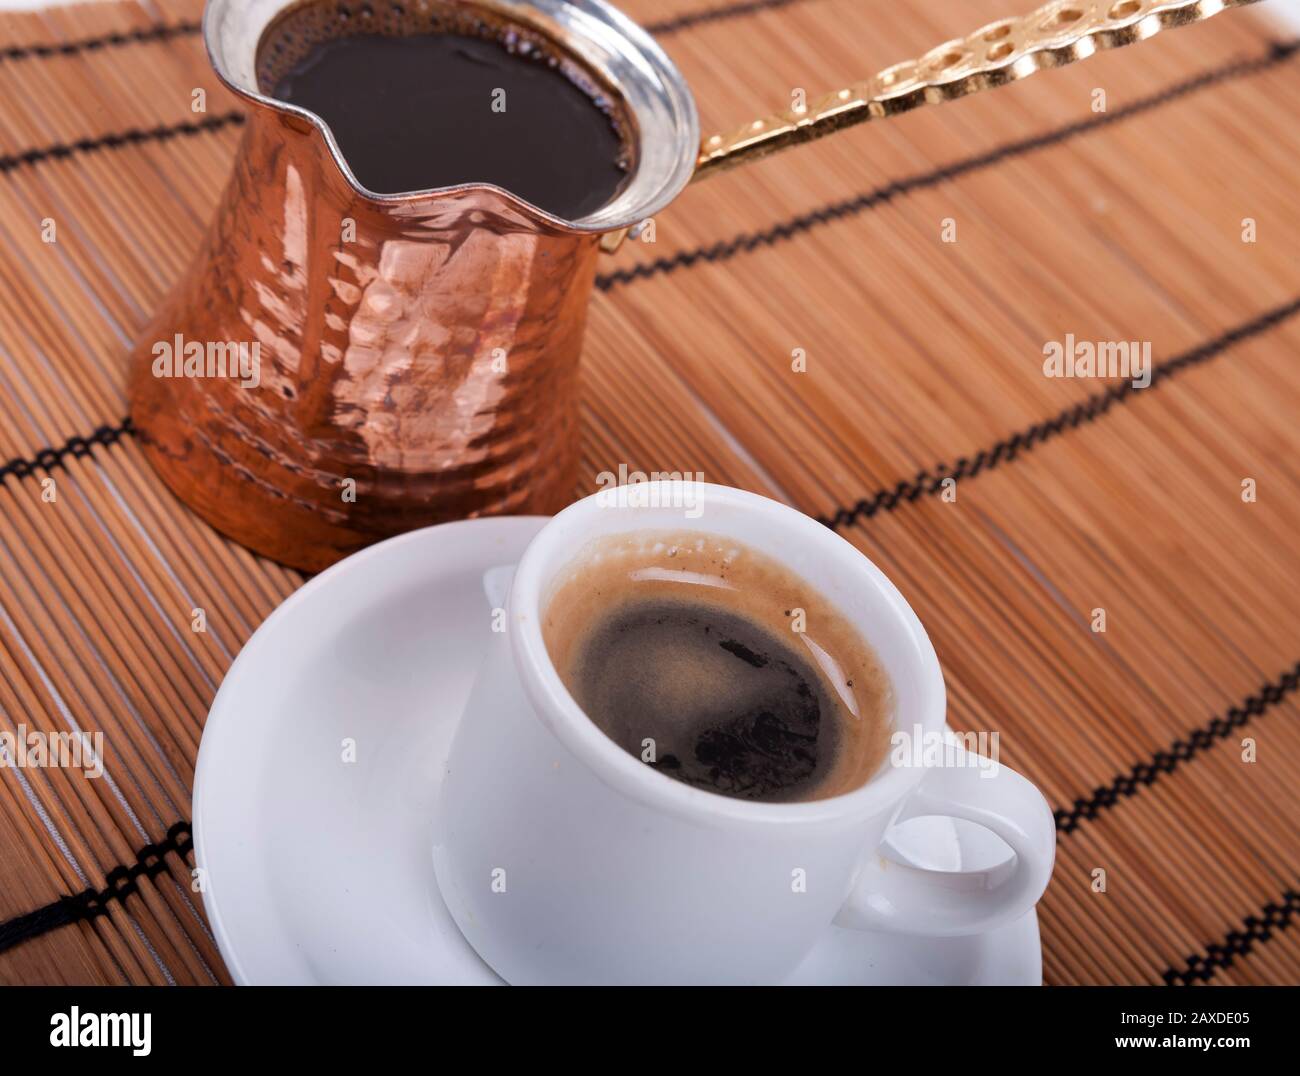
(901, 899)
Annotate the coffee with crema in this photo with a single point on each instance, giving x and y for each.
(718, 666)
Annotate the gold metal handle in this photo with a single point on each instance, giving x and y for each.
(1056, 34)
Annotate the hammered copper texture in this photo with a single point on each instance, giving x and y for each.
(430, 359)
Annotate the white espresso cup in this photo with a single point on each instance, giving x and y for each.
(565, 859)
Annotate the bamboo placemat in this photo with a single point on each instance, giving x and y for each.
(924, 363)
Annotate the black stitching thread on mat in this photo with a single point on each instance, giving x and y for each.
(104, 41)
(726, 249)
(163, 133)
(720, 13)
(926, 483)
(1089, 410)
(119, 883)
(188, 28)
(133, 136)
(49, 458)
(1256, 929)
(1145, 774)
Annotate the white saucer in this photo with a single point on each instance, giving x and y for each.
(318, 871)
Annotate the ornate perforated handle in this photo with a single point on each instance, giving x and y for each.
(1056, 34)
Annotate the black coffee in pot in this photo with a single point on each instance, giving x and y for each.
(411, 111)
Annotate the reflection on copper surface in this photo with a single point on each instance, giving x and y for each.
(430, 358)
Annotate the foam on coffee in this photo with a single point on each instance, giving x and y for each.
(690, 641)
